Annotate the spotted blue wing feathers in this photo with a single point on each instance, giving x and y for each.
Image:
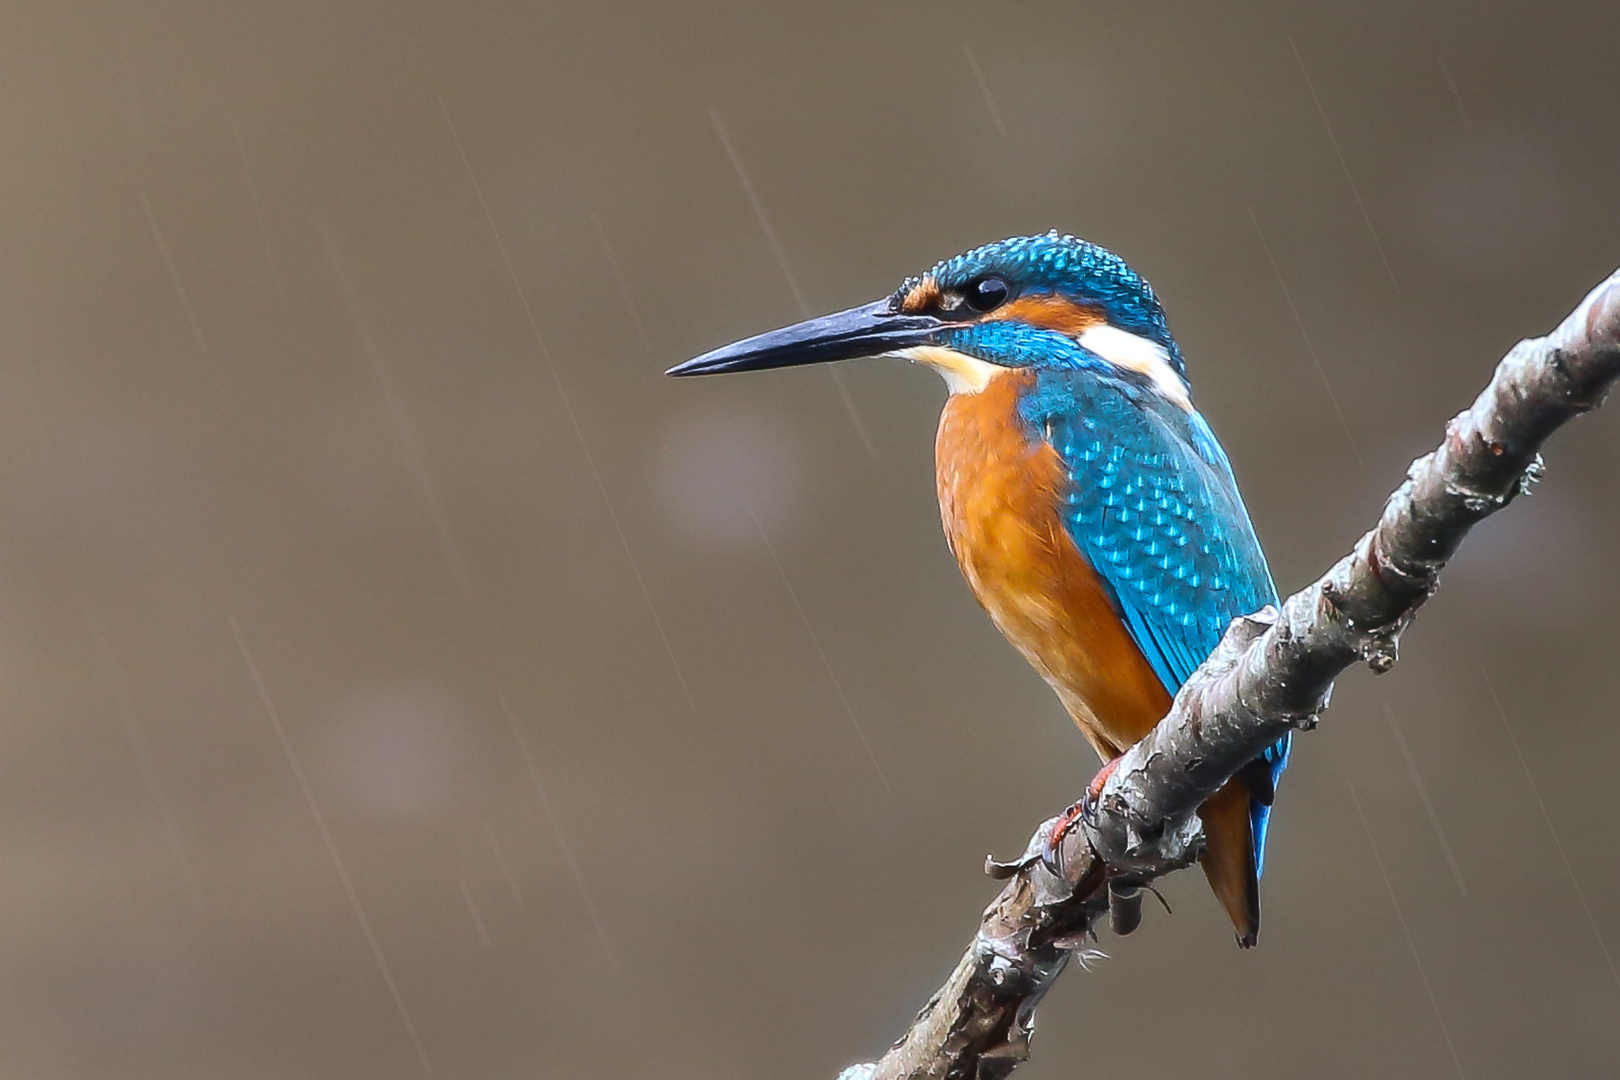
(1152, 503)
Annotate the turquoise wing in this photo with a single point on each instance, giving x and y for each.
(1152, 503)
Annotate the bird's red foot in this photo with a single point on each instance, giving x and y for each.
(1094, 789)
(1052, 852)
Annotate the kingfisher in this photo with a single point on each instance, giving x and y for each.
(1090, 507)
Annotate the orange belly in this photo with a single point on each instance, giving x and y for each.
(999, 495)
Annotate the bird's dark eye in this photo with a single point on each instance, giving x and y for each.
(987, 294)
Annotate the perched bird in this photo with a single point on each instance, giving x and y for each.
(1090, 507)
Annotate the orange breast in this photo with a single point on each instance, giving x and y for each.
(998, 497)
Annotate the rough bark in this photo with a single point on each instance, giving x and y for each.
(1273, 672)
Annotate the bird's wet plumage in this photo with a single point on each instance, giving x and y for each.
(1090, 507)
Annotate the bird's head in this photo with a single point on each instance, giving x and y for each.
(1029, 302)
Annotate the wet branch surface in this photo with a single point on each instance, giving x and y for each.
(1272, 672)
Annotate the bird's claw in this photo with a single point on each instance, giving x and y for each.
(1052, 850)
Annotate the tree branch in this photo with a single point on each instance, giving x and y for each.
(1273, 672)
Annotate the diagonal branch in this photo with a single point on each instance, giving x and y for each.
(1273, 672)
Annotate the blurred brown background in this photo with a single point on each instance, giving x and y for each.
(262, 359)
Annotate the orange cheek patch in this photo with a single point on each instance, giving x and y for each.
(923, 296)
(1051, 313)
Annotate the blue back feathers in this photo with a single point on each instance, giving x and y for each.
(1152, 504)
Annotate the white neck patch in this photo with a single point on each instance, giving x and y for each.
(963, 374)
(1136, 353)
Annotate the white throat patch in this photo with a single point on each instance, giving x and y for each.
(1136, 353)
(963, 374)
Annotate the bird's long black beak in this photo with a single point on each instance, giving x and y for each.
(869, 330)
